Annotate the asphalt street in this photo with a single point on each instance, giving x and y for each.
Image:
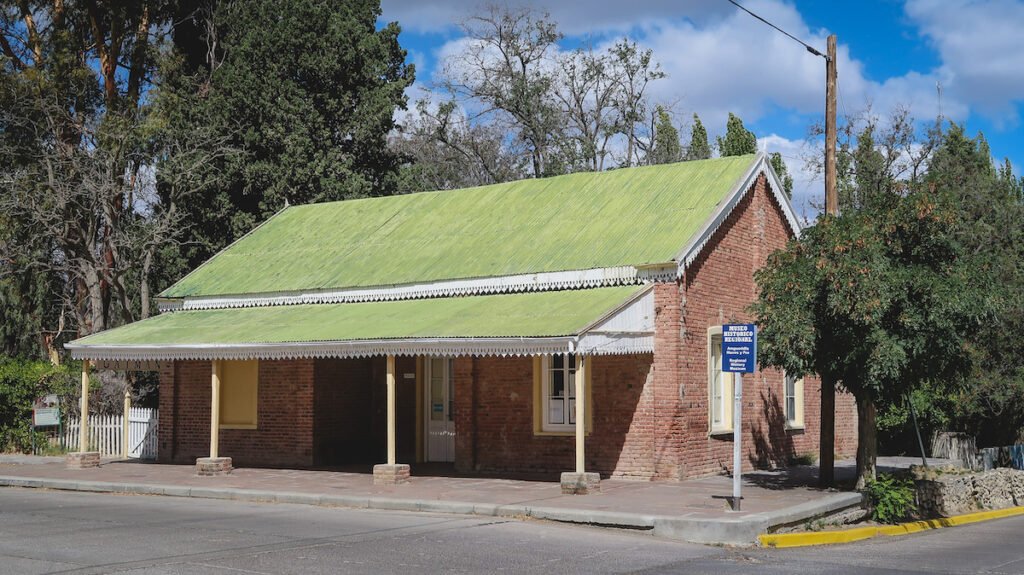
(65, 532)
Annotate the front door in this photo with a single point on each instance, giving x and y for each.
(440, 420)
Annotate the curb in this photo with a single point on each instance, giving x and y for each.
(783, 540)
(739, 531)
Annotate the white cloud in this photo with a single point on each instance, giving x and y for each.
(980, 45)
(738, 65)
(720, 59)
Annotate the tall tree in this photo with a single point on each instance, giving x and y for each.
(877, 300)
(738, 140)
(446, 151)
(588, 90)
(699, 148)
(506, 67)
(306, 90)
(779, 165)
(76, 150)
(635, 69)
(666, 139)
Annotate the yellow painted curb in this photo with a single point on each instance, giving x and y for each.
(859, 533)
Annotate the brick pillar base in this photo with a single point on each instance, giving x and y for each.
(384, 474)
(82, 460)
(580, 483)
(211, 466)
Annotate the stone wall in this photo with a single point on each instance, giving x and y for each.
(944, 494)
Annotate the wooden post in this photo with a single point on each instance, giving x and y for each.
(125, 423)
(831, 195)
(392, 410)
(580, 482)
(581, 412)
(827, 432)
(215, 409)
(83, 426)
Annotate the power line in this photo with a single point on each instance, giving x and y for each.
(810, 48)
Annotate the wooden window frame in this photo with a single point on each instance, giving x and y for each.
(714, 368)
(794, 420)
(541, 384)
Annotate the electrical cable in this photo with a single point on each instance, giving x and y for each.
(809, 48)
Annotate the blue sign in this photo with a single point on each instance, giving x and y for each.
(739, 348)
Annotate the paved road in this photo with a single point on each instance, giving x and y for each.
(59, 532)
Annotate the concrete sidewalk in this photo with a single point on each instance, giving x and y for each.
(691, 510)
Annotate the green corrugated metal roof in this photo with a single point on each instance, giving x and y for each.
(538, 314)
(581, 221)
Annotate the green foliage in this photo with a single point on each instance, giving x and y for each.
(780, 170)
(738, 140)
(891, 498)
(305, 90)
(699, 148)
(988, 400)
(879, 300)
(21, 383)
(666, 139)
(807, 458)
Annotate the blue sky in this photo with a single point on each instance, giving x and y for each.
(719, 60)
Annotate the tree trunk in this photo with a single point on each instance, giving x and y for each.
(95, 313)
(147, 263)
(827, 433)
(867, 441)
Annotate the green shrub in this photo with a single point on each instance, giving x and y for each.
(891, 498)
(22, 381)
(806, 458)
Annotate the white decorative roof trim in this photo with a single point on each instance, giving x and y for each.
(545, 281)
(760, 166)
(432, 347)
(144, 356)
(616, 343)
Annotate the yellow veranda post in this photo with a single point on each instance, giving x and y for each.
(581, 412)
(83, 427)
(215, 408)
(392, 410)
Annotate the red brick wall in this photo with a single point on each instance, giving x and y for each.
(717, 288)
(310, 412)
(502, 425)
(284, 434)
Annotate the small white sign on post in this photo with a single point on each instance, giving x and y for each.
(739, 356)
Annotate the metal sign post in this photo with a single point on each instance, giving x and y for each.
(739, 356)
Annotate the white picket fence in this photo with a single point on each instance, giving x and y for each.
(106, 433)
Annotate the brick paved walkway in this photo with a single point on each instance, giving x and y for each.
(762, 491)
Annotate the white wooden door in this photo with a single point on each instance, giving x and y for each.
(440, 407)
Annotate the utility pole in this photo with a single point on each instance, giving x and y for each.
(827, 437)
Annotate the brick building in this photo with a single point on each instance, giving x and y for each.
(535, 326)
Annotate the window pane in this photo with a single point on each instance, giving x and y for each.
(556, 412)
(557, 361)
(558, 383)
(790, 408)
(717, 383)
(716, 399)
(572, 411)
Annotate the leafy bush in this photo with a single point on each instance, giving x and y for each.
(22, 381)
(891, 498)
